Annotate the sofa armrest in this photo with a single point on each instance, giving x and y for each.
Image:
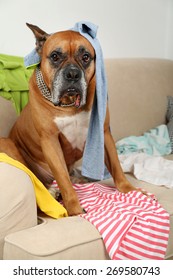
(18, 208)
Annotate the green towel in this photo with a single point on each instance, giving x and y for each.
(14, 78)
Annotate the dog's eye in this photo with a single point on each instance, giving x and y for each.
(86, 58)
(54, 56)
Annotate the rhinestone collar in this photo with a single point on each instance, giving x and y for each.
(41, 85)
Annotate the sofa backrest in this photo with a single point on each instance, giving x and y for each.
(7, 116)
(138, 90)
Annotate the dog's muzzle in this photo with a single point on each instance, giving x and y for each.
(69, 87)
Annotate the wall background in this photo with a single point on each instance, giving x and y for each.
(127, 28)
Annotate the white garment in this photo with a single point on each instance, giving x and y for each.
(152, 169)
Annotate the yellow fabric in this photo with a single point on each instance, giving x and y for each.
(44, 199)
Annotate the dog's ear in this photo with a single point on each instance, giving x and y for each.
(40, 35)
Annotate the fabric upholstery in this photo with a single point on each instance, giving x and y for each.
(74, 237)
(138, 90)
(65, 238)
(17, 202)
(7, 115)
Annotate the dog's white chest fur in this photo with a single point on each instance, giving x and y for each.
(74, 128)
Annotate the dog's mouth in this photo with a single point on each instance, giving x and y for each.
(70, 98)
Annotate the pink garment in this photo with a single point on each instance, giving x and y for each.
(132, 225)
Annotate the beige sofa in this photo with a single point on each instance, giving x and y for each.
(138, 90)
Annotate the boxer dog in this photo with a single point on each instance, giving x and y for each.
(50, 134)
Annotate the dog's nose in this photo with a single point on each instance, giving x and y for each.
(72, 73)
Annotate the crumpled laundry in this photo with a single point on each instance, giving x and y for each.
(154, 142)
(151, 169)
(14, 79)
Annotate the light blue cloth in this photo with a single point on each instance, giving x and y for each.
(93, 160)
(32, 59)
(93, 165)
(155, 142)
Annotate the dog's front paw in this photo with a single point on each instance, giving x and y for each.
(126, 187)
(73, 208)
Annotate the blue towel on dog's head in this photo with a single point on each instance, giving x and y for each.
(93, 165)
(93, 159)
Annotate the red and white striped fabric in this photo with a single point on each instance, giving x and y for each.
(133, 226)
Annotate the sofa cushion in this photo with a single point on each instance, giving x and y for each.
(75, 237)
(66, 238)
(17, 202)
(138, 90)
(8, 115)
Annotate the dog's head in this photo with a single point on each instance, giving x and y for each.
(67, 65)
